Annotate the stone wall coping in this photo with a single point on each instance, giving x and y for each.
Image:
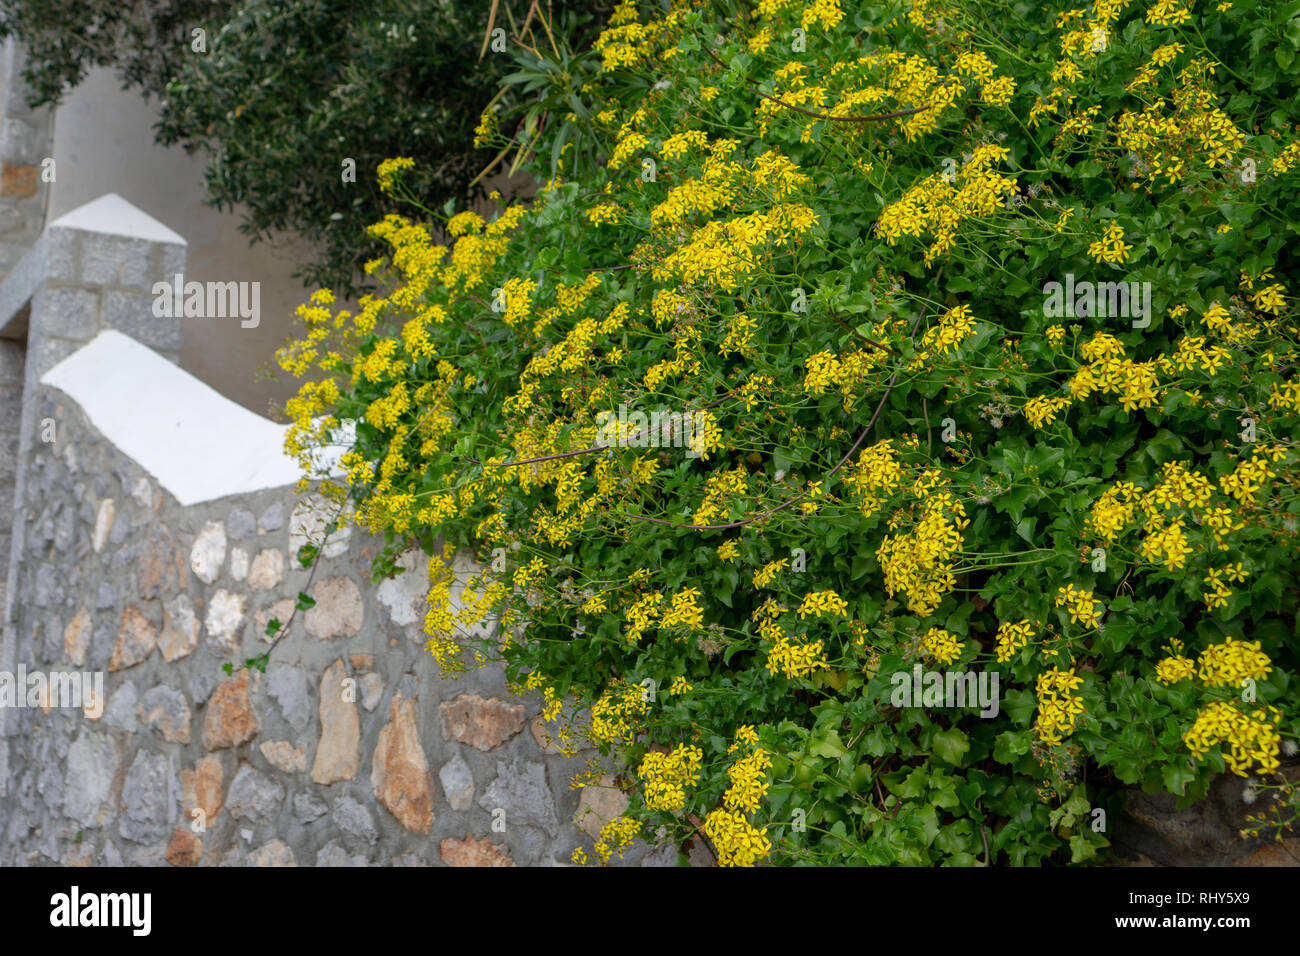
(17, 288)
(194, 441)
(115, 216)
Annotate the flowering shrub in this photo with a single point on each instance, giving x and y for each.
(990, 331)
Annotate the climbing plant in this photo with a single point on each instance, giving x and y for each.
(885, 451)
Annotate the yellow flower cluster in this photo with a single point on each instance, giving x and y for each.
(909, 81)
(748, 777)
(935, 208)
(1111, 247)
(819, 602)
(767, 574)
(1231, 663)
(1218, 592)
(920, 564)
(1250, 739)
(1165, 142)
(1169, 13)
(954, 327)
(1011, 638)
(1287, 160)
(796, 660)
(725, 253)
(1081, 605)
(665, 776)
(615, 837)
(740, 335)
(827, 13)
(1162, 56)
(603, 213)
(737, 841)
(389, 172)
(1171, 670)
(617, 714)
(1184, 488)
(1191, 353)
(1165, 543)
(1042, 410)
(1109, 372)
(642, 614)
(875, 474)
(685, 611)
(848, 372)
(1248, 478)
(941, 646)
(777, 174)
(679, 686)
(717, 187)
(720, 489)
(488, 129)
(1058, 708)
(625, 43)
(439, 622)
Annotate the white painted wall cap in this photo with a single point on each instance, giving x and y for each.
(115, 216)
(194, 441)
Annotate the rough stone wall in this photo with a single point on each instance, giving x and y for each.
(1153, 831)
(26, 141)
(11, 404)
(71, 284)
(349, 750)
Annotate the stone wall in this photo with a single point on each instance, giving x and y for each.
(12, 357)
(153, 534)
(349, 749)
(26, 142)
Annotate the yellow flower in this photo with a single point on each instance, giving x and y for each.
(1041, 410)
(1231, 663)
(1058, 708)
(1011, 638)
(767, 574)
(1111, 247)
(1171, 670)
(1080, 604)
(817, 602)
(489, 127)
(825, 12)
(795, 660)
(1169, 13)
(736, 840)
(665, 776)
(941, 645)
(1250, 739)
(998, 92)
(389, 170)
